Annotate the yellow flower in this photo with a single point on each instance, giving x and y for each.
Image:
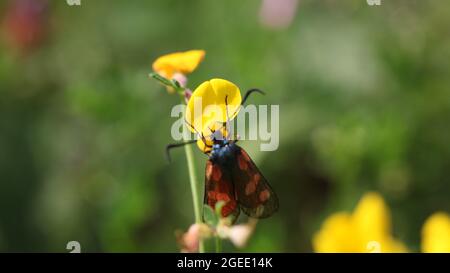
(367, 229)
(209, 107)
(436, 233)
(205, 143)
(179, 62)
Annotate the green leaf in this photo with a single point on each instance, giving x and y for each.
(209, 216)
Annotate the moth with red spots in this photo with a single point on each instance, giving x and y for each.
(231, 176)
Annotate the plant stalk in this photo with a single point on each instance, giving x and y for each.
(194, 185)
(218, 244)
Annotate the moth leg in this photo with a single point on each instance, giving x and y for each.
(175, 145)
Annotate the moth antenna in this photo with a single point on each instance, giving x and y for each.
(249, 92)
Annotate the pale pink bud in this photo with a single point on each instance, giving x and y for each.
(189, 241)
(187, 94)
(278, 14)
(26, 23)
(180, 78)
(239, 234)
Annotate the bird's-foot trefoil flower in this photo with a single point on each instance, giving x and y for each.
(172, 69)
(436, 233)
(210, 106)
(367, 229)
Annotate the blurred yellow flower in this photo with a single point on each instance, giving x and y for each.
(179, 62)
(367, 229)
(209, 107)
(436, 233)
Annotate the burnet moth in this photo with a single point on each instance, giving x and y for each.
(231, 176)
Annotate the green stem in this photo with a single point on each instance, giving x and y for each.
(218, 244)
(194, 185)
(193, 181)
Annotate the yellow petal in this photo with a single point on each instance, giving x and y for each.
(373, 216)
(211, 103)
(366, 230)
(395, 246)
(373, 219)
(436, 233)
(202, 146)
(205, 143)
(178, 62)
(338, 234)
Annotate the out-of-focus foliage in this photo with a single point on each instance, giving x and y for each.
(364, 97)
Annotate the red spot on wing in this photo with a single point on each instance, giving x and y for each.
(216, 172)
(264, 195)
(254, 195)
(208, 171)
(212, 195)
(250, 188)
(229, 208)
(219, 187)
(223, 197)
(243, 165)
(256, 178)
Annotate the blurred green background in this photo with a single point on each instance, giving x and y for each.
(364, 105)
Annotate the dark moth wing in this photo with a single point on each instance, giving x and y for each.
(253, 193)
(219, 187)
